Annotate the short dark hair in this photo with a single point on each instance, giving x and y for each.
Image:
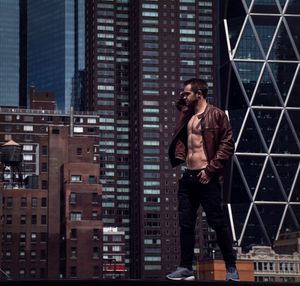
(198, 84)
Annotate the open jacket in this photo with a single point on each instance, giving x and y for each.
(217, 136)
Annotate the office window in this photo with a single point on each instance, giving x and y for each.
(91, 120)
(23, 219)
(9, 202)
(27, 157)
(73, 198)
(76, 178)
(44, 184)
(44, 150)
(92, 180)
(95, 252)
(27, 147)
(22, 253)
(75, 216)
(44, 202)
(44, 237)
(8, 237)
(34, 202)
(33, 219)
(28, 128)
(44, 167)
(78, 129)
(73, 252)
(33, 237)
(22, 237)
(33, 254)
(73, 271)
(23, 202)
(73, 233)
(43, 219)
(94, 215)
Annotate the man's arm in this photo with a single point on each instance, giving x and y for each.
(225, 148)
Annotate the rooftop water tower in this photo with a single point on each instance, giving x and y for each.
(11, 159)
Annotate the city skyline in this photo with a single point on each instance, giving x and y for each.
(125, 61)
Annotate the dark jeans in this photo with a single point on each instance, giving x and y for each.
(191, 194)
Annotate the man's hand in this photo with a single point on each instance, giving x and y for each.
(203, 178)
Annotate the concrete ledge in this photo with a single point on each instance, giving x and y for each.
(138, 283)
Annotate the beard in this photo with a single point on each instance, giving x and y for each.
(192, 103)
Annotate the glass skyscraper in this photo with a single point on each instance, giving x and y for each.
(10, 59)
(56, 49)
(261, 86)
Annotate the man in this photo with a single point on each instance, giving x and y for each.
(203, 140)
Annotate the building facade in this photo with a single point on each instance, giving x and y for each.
(12, 53)
(270, 266)
(260, 87)
(50, 194)
(56, 50)
(107, 93)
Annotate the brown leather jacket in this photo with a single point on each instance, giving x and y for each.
(217, 140)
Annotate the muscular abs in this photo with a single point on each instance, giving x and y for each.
(196, 158)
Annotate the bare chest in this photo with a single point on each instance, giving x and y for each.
(194, 126)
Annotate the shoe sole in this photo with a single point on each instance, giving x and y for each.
(233, 280)
(190, 278)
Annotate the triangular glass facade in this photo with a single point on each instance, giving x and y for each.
(261, 93)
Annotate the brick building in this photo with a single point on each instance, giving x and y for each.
(51, 211)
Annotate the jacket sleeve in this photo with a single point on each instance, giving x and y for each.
(225, 148)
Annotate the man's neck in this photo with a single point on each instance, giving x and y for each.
(200, 107)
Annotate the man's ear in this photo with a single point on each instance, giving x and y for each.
(199, 93)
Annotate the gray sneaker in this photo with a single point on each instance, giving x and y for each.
(181, 273)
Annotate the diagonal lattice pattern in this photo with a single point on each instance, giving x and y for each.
(263, 101)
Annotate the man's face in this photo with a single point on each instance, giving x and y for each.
(190, 97)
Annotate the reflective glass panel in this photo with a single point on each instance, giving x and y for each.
(294, 115)
(294, 98)
(266, 93)
(239, 193)
(296, 192)
(250, 141)
(271, 216)
(265, 6)
(294, 26)
(289, 221)
(254, 232)
(267, 121)
(251, 166)
(236, 118)
(249, 72)
(239, 212)
(282, 3)
(286, 168)
(296, 210)
(235, 15)
(293, 7)
(265, 28)
(282, 48)
(248, 47)
(269, 188)
(285, 141)
(284, 74)
(248, 2)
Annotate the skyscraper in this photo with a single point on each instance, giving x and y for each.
(107, 82)
(56, 44)
(134, 89)
(12, 53)
(261, 85)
